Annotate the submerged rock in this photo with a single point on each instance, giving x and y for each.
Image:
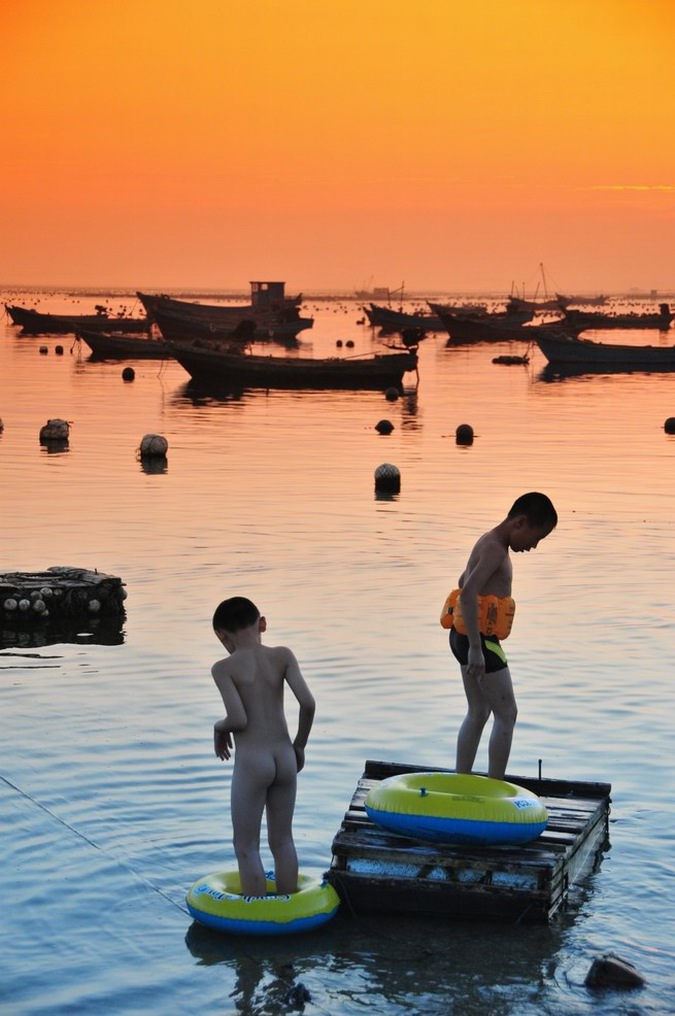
(610, 971)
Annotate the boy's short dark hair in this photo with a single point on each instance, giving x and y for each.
(537, 508)
(235, 614)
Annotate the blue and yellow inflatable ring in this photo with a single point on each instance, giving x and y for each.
(456, 808)
(216, 902)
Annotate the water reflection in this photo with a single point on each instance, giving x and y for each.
(432, 964)
(154, 465)
(102, 631)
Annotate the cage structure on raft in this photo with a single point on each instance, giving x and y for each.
(60, 592)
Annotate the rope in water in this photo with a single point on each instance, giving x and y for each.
(96, 846)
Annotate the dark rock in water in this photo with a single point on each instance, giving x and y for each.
(669, 425)
(610, 971)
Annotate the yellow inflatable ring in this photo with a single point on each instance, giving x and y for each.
(216, 902)
(456, 808)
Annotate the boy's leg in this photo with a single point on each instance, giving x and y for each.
(247, 803)
(497, 690)
(474, 722)
(280, 806)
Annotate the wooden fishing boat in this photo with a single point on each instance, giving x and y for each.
(234, 368)
(585, 320)
(267, 298)
(390, 320)
(34, 322)
(501, 326)
(109, 346)
(585, 301)
(283, 326)
(573, 352)
(556, 303)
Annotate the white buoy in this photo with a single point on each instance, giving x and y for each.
(153, 445)
(10, 604)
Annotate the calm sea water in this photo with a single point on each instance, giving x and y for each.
(112, 801)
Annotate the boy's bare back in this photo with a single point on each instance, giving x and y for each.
(251, 682)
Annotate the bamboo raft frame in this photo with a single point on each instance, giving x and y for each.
(375, 870)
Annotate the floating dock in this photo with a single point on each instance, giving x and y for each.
(375, 870)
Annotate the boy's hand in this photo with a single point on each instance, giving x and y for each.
(299, 757)
(476, 663)
(222, 740)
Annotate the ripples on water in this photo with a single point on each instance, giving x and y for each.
(111, 798)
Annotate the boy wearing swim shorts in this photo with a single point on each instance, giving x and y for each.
(485, 671)
(266, 763)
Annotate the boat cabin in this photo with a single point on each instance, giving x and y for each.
(267, 294)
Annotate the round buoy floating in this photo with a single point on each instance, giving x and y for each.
(349, 343)
(384, 427)
(55, 430)
(339, 343)
(128, 374)
(387, 479)
(2, 426)
(464, 434)
(44, 350)
(58, 350)
(153, 446)
(391, 394)
(669, 425)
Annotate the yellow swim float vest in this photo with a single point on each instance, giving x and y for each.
(495, 614)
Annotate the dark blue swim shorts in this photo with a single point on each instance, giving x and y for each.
(495, 657)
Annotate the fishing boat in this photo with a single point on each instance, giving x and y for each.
(585, 320)
(585, 301)
(234, 368)
(501, 326)
(577, 353)
(34, 322)
(539, 306)
(267, 298)
(390, 320)
(282, 326)
(112, 346)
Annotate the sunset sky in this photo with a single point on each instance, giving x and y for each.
(449, 144)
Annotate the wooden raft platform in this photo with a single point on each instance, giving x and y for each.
(60, 591)
(375, 870)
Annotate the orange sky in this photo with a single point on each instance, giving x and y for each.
(450, 144)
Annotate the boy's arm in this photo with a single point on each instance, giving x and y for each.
(486, 563)
(236, 718)
(298, 686)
